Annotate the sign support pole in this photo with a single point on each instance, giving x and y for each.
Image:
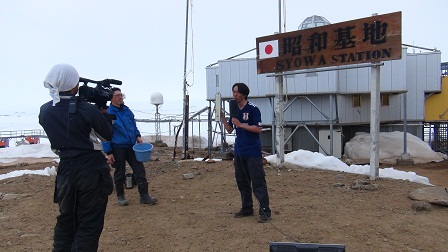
(374, 121)
(279, 106)
(279, 119)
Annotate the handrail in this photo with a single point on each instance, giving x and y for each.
(22, 133)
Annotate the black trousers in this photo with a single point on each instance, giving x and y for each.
(250, 177)
(123, 155)
(82, 189)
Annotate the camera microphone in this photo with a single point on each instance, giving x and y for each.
(112, 81)
(85, 80)
(233, 106)
(105, 82)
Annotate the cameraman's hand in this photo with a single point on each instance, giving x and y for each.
(139, 140)
(110, 159)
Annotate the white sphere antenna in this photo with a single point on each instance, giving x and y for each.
(156, 98)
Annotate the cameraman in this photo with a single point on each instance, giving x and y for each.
(119, 150)
(83, 181)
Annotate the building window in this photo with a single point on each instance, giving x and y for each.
(385, 100)
(356, 100)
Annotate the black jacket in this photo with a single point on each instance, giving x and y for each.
(74, 134)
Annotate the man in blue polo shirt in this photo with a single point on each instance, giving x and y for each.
(249, 173)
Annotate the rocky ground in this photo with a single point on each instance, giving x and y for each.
(196, 214)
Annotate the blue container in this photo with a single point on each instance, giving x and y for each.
(143, 151)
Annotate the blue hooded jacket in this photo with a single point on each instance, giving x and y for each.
(124, 128)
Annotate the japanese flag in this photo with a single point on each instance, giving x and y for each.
(268, 49)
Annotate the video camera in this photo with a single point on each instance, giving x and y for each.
(98, 95)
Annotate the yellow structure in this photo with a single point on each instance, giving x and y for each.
(436, 106)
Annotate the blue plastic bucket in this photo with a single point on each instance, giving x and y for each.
(143, 151)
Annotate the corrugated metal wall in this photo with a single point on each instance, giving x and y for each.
(423, 76)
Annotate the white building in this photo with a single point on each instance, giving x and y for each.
(340, 98)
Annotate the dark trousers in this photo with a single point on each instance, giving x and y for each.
(250, 177)
(82, 189)
(123, 155)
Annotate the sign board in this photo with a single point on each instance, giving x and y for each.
(372, 39)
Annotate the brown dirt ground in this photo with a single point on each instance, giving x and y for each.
(196, 214)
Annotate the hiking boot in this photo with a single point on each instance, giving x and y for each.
(122, 201)
(145, 198)
(120, 195)
(262, 218)
(148, 199)
(243, 213)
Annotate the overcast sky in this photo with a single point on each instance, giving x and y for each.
(141, 42)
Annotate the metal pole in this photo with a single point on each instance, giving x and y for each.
(210, 143)
(279, 16)
(221, 127)
(158, 133)
(279, 105)
(405, 128)
(273, 127)
(331, 126)
(185, 110)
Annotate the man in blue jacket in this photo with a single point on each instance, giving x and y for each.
(119, 150)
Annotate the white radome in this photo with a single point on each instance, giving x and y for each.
(156, 98)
